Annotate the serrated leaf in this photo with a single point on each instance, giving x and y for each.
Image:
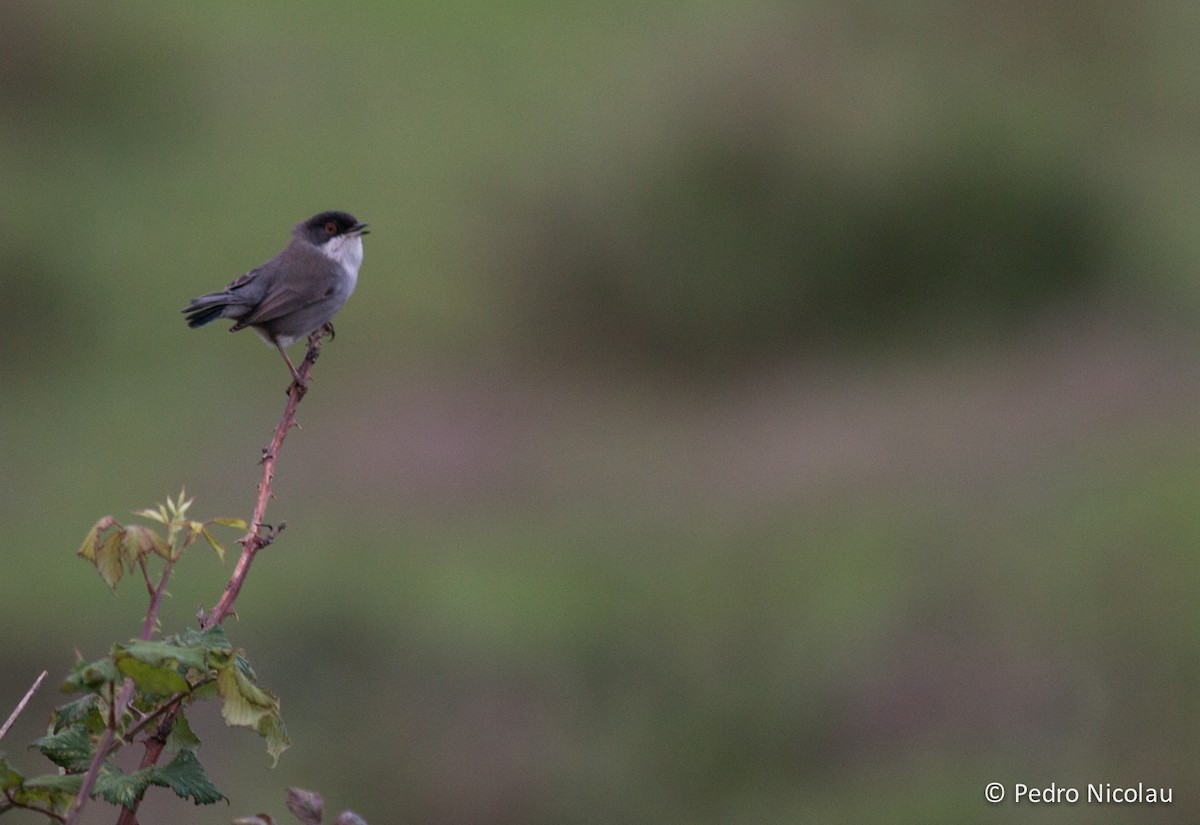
(272, 729)
(91, 676)
(87, 550)
(243, 665)
(52, 790)
(185, 776)
(147, 541)
(118, 788)
(181, 737)
(205, 691)
(216, 545)
(239, 523)
(131, 544)
(85, 710)
(9, 778)
(70, 748)
(306, 806)
(245, 704)
(213, 639)
(153, 680)
(108, 559)
(163, 652)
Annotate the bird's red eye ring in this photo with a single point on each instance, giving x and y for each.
(330, 228)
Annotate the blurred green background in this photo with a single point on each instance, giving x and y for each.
(749, 412)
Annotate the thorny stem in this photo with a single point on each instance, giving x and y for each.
(256, 539)
(252, 542)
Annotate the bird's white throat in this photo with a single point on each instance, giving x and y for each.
(346, 250)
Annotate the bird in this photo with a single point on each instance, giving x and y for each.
(295, 293)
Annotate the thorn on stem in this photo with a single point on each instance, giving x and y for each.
(271, 534)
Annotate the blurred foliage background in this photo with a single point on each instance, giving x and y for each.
(749, 412)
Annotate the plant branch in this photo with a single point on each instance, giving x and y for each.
(35, 808)
(12, 717)
(257, 539)
(107, 743)
(103, 749)
(261, 534)
(169, 705)
(156, 595)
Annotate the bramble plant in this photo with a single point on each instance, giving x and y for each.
(139, 691)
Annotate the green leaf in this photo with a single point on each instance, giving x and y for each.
(131, 549)
(205, 691)
(108, 559)
(212, 541)
(247, 705)
(8, 777)
(71, 748)
(152, 680)
(118, 788)
(244, 703)
(272, 729)
(239, 523)
(85, 710)
(164, 652)
(181, 737)
(89, 677)
(87, 550)
(185, 776)
(213, 639)
(54, 790)
(159, 515)
(146, 541)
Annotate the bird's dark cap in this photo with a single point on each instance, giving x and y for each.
(325, 225)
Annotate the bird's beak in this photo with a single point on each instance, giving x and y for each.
(359, 229)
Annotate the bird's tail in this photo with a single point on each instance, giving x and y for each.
(207, 308)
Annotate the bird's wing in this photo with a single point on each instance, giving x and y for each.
(280, 302)
(243, 280)
(320, 277)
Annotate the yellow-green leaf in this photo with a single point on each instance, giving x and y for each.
(216, 545)
(155, 681)
(131, 544)
(108, 559)
(271, 728)
(87, 550)
(243, 702)
(158, 515)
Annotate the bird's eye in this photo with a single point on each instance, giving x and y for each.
(330, 228)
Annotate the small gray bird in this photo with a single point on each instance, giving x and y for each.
(298, 291)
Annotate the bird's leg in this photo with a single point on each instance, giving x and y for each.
(327, 328)
(291, 366)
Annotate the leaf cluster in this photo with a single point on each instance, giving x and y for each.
(114, 548)
(140, 690)
(167, 676)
